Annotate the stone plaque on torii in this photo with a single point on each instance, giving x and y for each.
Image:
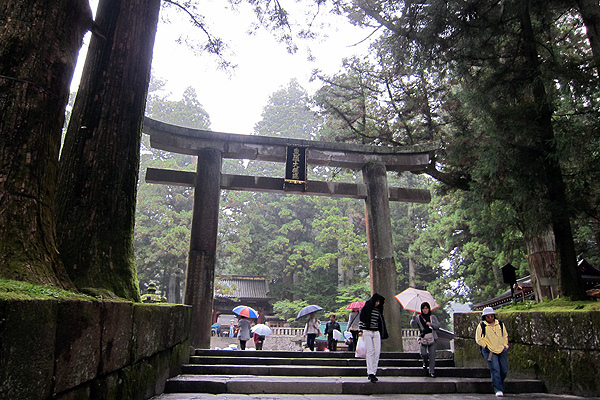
(207, 181)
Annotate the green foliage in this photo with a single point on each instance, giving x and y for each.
(164, 212)
(287, 310)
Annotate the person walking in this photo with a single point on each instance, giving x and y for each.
(492, 336)
(244, 331)
(329, 328)
(353, 321)
(259, 340)
(372, 325)
(428, 325)
(311, 329)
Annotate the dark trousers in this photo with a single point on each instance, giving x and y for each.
(242, 344)
(331, 344)
(310, 340)
(352, 346)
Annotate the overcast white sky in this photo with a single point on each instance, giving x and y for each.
(235, 100)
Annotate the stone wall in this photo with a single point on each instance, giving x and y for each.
(88, 350)
(560, 348)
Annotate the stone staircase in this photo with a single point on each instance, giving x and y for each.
(284, 372)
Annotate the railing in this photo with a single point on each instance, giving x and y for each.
(283, 331)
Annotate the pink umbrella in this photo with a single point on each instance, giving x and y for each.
(356, 304)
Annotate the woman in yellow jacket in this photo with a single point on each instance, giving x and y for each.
(491, 335)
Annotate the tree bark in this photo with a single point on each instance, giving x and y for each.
(590, 13)
(541, 257)
(98, 169)
(39, 45)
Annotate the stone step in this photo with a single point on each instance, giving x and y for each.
(314, 370)
(311, 354)
(251, 384)
(340, 362)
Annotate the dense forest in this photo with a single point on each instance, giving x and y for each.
(514, 117)
(509, 89)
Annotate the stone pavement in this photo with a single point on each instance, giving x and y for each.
(459, 396)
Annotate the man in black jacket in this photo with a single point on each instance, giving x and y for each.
(329, 328)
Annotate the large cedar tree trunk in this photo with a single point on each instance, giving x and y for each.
(541, 257)
(99, 164)
(541, 132)
(590, 13)
(39, 45)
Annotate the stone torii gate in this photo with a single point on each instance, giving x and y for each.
(212, 147)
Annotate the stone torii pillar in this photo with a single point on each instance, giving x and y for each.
(200, 275)
(382, 266)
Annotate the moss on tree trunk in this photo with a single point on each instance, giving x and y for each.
(99, 164)
(39, 45)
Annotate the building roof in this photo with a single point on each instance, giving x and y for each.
(244, 287)
(506, 297)
(589, 275)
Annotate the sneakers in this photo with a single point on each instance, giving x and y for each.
(373, 378)
(432, 375)
(499, 394)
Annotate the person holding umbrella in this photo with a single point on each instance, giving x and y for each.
(311, 329)
(428, 325)
(353, 321)
(373, 329)
(260, 332)
(244, 331)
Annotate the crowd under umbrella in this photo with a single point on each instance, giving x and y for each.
(307, 310)
(245, 311)
(411, 299)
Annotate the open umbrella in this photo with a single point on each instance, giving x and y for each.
(412, 298)
(245, 311)
(261, 330)
(356, 304)
(307, 310)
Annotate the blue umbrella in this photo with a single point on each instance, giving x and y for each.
(307, 310)
(214, 325)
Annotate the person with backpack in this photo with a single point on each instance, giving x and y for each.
(492, 336)
(427, 325)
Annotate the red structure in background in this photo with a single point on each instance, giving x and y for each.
(252, 291)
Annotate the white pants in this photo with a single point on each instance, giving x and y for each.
(373, 345)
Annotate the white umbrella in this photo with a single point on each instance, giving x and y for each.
(261, 330)
(411, 299)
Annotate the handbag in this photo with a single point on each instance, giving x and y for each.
(361, 348)
(427, 339)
